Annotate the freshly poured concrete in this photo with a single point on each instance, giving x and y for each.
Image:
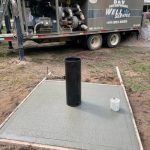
(44, 118)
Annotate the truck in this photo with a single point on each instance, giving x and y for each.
(89, 22)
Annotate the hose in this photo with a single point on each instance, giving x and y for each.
(40, 23)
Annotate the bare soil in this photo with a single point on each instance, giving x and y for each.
(17, 79)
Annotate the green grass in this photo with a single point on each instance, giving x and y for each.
(133, 60)
(142, 67)
(4, 29)
(3, 52)
(137, 86)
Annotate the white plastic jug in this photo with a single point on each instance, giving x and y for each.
(115, 104)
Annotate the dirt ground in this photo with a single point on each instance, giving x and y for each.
(17, 78)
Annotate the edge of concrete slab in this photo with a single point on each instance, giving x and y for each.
(130, 108)
(21, 103)
(4, 122)
(35, 145)
(9, 141)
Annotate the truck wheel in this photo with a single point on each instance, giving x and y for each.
(113, 39)
(94, 42)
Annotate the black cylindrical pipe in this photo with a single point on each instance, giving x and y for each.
(73, 81)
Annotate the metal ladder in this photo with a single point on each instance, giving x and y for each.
(4, 6)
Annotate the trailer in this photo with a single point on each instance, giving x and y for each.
(89, 22)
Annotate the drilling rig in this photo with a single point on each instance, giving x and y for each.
(88, 21)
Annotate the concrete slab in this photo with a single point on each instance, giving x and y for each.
(44, 118)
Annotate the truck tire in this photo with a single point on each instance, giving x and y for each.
(94, 42)
(113, 39)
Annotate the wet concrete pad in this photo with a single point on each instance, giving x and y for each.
(44, 118)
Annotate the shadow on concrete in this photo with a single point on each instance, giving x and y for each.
(98, 110)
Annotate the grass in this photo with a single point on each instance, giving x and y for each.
(134, 60)
(142, 67)
(4, 29)
(3, 52)
(137, 85)
(139, 79)
(6, 53)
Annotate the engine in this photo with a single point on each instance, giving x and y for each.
(41, 16)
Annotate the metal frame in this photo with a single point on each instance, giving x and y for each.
(24, 16)
(20, 8)
(57, 16)
(8, 28)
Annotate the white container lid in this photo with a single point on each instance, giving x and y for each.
(115, 100)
